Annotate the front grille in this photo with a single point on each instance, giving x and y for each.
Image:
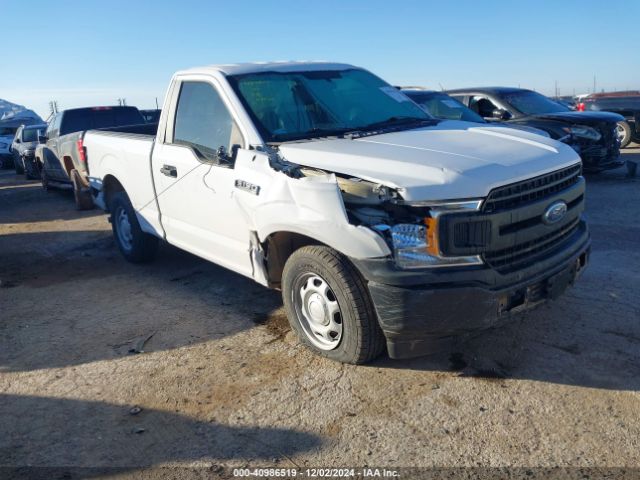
(520, 193)
(521, 255)
(510, 234)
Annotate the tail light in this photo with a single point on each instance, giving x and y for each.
(82, 153)
(580, 107)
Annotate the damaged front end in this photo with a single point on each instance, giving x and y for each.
(410, 229)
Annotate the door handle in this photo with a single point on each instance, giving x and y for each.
(169, 171)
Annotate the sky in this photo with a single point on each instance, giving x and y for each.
(93, 52)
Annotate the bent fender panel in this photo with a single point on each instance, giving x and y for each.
(310, 206)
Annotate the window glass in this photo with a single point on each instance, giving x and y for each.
(443, 106)
(8, 131)
(294, 105)
(31, 134)
(100, 117)
(482, 106)
(533, 103)
(203, 121)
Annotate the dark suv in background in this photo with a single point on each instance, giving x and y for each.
(592, 134)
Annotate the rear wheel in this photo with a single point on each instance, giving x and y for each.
(81, 195)
(134, 244)
(328, 306)
(623, 130)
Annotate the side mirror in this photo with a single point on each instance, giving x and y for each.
(42, 139)
(500, 114)
(17, 140)
(222, 156)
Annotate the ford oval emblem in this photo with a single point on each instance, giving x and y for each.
(554, 213)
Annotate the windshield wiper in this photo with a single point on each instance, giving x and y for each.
(397, 121)
(391, 124)
(313, 133)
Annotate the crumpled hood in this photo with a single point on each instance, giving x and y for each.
(452, 160)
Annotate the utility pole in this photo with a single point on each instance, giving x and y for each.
(157, 108)
(556, 88)
(594, 84)
(122, 102)
(53, 107)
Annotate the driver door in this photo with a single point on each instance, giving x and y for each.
(194, 185)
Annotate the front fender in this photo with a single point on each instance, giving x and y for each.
(310, 206)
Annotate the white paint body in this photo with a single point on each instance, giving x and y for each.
(203, 212)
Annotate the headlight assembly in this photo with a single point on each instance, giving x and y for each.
(416, 245)
(582, 131)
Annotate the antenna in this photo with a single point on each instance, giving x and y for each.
(441, 87)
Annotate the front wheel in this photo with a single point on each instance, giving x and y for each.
(134, 244)
(623, 131)
(328, 306)
(31, 171)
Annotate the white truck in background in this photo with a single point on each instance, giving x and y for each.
(380, 224)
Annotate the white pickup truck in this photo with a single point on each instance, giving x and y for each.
(381, 225)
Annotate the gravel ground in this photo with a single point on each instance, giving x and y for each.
(221, 380)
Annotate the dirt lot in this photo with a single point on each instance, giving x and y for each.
(222, 381)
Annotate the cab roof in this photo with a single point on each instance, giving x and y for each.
(258, 67)
(494, 90)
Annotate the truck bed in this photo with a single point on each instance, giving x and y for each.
(124, 153)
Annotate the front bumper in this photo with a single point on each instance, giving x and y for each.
(601, 155)
(419, 312)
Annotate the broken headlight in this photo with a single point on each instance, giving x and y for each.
(582, 131)
(416, 245)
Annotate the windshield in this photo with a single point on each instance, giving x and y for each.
(445, 107)
(296, 105)
(532, 103)
(31, 134)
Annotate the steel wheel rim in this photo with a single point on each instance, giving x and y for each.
(318, 311)
(622, 133)
(125, 235)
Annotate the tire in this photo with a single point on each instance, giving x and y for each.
(44, 178)
(134, 244)
(31, 171)
(328, 306)
(82, 196)
(624, 133)
(17, 162)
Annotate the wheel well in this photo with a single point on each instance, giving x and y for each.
(110, 185)
(278, 247)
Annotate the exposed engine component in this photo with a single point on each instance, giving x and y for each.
(356, 191)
